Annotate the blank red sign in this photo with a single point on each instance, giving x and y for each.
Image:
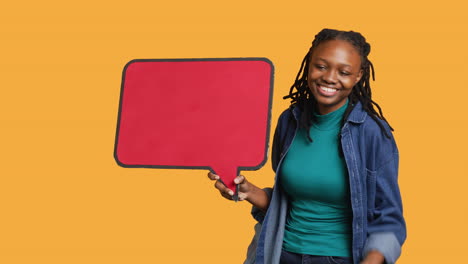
(195, 114)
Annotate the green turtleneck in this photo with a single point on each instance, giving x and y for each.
(315, 177)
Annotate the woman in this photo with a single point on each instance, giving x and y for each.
(336, 198)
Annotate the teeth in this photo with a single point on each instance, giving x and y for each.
(326, 89)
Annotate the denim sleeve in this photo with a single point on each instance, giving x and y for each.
(251, 250)
(258, 214)
(386, 226)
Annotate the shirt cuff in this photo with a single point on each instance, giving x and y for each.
(386, 243)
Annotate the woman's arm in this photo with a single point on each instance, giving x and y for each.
(386, 228)
(386, 225)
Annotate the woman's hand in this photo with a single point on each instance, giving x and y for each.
(373, 257)
(244, 187)
(247, 191)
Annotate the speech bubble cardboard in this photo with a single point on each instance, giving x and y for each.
(195, 114)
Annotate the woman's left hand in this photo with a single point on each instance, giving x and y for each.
(373, 257)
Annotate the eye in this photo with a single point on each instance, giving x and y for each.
(345, 73)
(320, 67)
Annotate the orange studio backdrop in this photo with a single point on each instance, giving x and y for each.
(63, 198)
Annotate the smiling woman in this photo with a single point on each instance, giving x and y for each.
(336, 198)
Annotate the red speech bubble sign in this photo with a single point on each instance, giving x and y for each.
(195, 114)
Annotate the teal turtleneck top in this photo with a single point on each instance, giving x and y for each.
(315, 178)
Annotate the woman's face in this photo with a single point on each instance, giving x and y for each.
(334, 69)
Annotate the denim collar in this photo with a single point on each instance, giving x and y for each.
(357, 115)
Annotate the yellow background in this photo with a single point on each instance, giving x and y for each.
(63, 199)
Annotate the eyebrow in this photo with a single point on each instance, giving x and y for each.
(342, 64)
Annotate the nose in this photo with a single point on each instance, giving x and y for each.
(330, 77)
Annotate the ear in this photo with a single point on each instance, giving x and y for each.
(358, 77)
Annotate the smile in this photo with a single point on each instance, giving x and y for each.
(326, 91)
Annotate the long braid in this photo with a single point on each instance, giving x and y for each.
(361, 92)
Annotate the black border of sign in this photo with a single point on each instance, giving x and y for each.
(197, 59)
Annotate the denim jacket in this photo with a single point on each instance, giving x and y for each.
(372, 161)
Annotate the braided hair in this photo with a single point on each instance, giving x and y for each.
(301, 95)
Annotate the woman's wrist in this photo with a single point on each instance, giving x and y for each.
(374, 257)
(257, 197)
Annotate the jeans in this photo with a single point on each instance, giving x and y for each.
(294, 258)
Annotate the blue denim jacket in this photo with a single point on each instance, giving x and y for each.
(372, 161)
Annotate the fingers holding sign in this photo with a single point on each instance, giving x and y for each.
(243, 187)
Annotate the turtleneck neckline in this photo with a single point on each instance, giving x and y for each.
(331, 120)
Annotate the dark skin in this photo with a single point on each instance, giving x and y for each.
(335, 67)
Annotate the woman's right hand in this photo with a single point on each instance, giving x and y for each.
(247, 191)
(244, 187)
